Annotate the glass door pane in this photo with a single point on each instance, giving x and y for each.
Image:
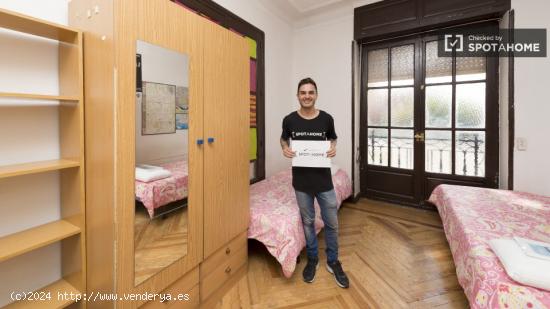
(439, 154)
(378, 147)
(470, 68)
(402, 65)
(438, 69)
(378, 107)
(402, 107)
(439, 106)
(470, 153)
(402, 146)
(378, 68)
(470, 105)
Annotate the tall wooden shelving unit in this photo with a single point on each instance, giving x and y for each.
(69, 230)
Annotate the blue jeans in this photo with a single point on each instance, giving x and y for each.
(329, 213)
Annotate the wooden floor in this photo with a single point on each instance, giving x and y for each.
(158, 242)
(395, 257)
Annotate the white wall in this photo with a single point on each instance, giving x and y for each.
(532, 105)
(51, 10)
(322, 51)
(161, 65)
(27, 134)
(279, 96)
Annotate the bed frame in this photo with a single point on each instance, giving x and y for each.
(165, 210)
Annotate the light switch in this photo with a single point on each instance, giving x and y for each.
(521, 143)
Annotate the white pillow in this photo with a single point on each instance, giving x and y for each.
(334, 169)
(522, 268)
(148, 173)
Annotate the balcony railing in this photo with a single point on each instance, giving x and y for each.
(469, 160)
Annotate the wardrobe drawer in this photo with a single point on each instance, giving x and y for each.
(223, 254)
(222, 271)
(188, 284)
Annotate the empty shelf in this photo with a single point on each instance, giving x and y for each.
(29, 99)
(22, 23)
(22, 242)
(36, 167)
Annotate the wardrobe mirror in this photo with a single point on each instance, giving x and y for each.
(161, 177)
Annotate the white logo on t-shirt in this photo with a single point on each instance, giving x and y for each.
(309, 134)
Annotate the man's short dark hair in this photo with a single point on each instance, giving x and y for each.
(305, 81)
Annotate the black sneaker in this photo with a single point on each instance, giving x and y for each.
(310, 269)
(339, 274)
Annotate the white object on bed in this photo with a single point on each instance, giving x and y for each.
(148, 173)
(521, 267)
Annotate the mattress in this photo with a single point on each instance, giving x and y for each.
(473, 216)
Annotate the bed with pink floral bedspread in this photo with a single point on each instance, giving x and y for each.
(275, 219)
(160, 192)
(473, 216)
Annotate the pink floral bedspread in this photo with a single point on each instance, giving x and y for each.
(163, 191)
(275, 217)
(471, 217)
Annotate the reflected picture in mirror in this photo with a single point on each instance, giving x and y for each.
(161, 176)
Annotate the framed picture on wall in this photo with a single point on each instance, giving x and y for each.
(158, 109)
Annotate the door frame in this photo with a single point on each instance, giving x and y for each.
(424, 182)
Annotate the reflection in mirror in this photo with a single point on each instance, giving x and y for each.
(160, 221)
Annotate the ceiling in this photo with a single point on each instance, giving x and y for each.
(305, 6)
(296, 12)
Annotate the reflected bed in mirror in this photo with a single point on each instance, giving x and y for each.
(161, 177)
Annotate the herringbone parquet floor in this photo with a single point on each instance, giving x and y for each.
(158, 242)
(395, 257)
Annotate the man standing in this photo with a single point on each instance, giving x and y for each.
(309, 123)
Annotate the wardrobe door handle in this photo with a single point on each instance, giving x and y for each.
(210, 140)
(200, 141)
(228, 270)
(227, 251)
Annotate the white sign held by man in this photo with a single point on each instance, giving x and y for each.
(310, 153)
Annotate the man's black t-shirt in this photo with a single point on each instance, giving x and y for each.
(320, 128)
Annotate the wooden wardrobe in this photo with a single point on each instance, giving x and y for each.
(218, 170)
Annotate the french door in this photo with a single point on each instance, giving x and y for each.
(426, 120)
